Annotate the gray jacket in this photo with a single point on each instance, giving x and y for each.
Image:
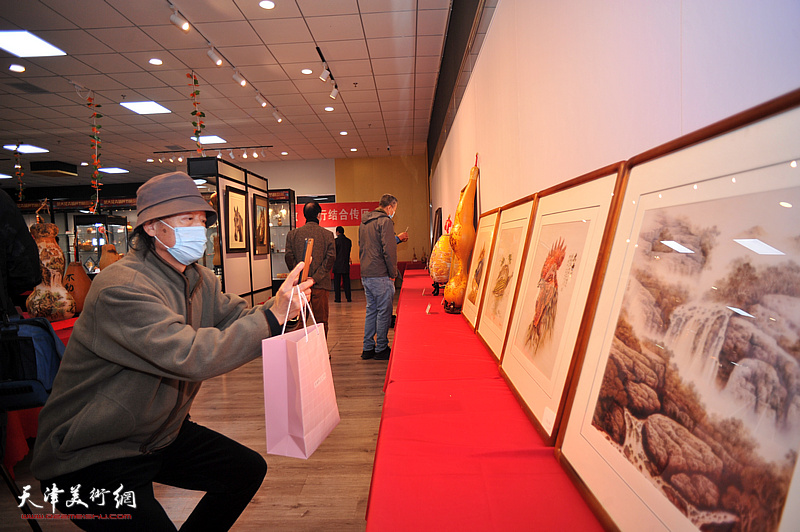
(147, 338)
(377, 245)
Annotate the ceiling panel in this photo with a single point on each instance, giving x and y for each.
(383, 54)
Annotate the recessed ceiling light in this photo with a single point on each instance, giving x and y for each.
(757, 246)
(200, 181)
(156, 61)
(210, 139)
(145, 108)
(4, 176)
(284, 153)
(266, 4)
(84, 163)
(353, 149)
(343, 133)
(113, 170)
(26, 148)
(329, 108)
(785, 204)
(150, 161)
(24, 44)
(307, 71)
(17, 68)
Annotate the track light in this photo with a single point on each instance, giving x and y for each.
(334, 92)
(325, 73)
(232, 155)
(172, 159)
(255, 154)
(214, 57)
(239, 79)
(180, 159)
(219, 154)
(244, 153)
(262, 152)
(278, 117)
(179, 21)
(260, 99)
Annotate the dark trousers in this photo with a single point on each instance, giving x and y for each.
(342, 279)
(199, 459)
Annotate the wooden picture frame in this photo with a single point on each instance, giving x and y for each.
(235, 220)
(479, 264)
(512, 234)
(561, 262)
(669, 424)
(261, 236)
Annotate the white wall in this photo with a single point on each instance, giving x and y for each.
(563, 88)
(306, 178)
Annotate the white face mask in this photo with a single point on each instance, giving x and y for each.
(190, 243)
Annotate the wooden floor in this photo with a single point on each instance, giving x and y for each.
(326, 492)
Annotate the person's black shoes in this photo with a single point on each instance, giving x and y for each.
(337, 300)
(366, 355)
(383, 355)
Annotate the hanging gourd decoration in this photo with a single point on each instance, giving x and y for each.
(462, 240)
(18, 173)
(97, 180)
(197, 114)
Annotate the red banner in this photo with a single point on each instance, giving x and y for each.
(335, 214)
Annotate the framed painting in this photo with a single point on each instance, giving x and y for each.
(513, 229)
(685, 415)
(481, 257)
(561, 260)
(235, 220)
(260, 225)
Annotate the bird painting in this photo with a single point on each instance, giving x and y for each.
(544, 317)
(477, 276)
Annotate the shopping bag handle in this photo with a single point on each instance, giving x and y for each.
(304, 304)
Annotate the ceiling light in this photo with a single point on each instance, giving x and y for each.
(145, 108)
(214, 57)
(329, 108)
(161, 159)
(24, 44)
(156, 61)
(200, 181)
(219, 154)
(17, 68)
(244, 154)
(180, 159)
(334, 92)
(757, 246)
(231, 154)
(307, 71)
(284, 153)
(353, 149)
(239, 79)
(343, 133)
(148, 160)
(266, 4)
(84, 163)
(26, 148)
(278, 117)
(260, 99)
(785, 204)
(325, 74)
(262, 152)
(209, 139)
(179, 21)
(114, 170)
(793, 164)
(5, 176)
(255, 154)
(172, 159)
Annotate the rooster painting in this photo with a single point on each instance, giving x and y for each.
(544, 317)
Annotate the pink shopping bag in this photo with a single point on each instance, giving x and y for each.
(299, 397)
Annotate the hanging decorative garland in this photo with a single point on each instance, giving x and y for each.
(95, 145)
(197, 114)
(18, 173)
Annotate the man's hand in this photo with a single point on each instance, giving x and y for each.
(284, 299)
(403, 236)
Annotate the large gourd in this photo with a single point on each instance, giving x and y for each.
(462, 240)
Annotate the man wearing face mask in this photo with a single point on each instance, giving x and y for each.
(155, 325)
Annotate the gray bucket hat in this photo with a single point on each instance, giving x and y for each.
(170, 194)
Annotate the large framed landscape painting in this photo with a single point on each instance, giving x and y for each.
(503, 273)
(687, 411)
(481, 255)
(567, 233)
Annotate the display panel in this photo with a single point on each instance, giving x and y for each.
(685, 413)
(559, 267)
(503, 273)
(481, 257)
(235, 220)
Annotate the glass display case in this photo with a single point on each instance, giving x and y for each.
(281, 221)
(92, 232)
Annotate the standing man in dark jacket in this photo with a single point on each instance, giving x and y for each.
(378, 257)
(19, 255)
(341, 268)
(323, 254)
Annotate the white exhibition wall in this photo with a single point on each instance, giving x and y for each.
(563, 88)
(306, 178)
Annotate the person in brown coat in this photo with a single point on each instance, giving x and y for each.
(323, 255)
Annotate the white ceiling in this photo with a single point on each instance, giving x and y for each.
(383, 54)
